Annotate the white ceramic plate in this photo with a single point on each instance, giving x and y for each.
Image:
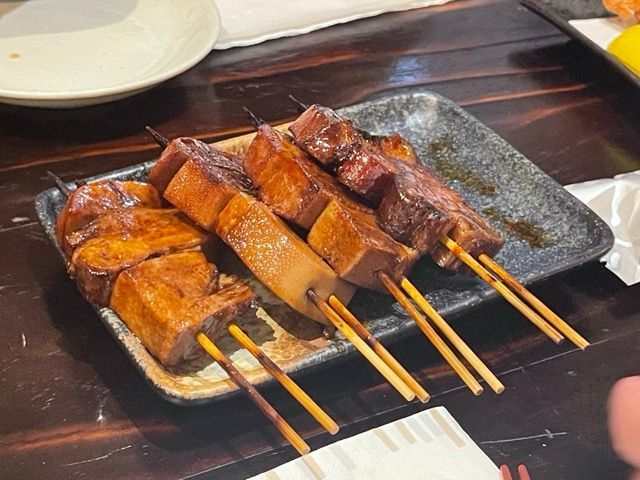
(72, 53)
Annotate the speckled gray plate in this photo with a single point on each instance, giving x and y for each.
(559, 12)
(547, 231)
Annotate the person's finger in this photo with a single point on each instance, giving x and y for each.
(624, 420)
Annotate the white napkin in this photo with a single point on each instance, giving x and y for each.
(601, 31)
(429, 445)
(247, 22)
(617, 201)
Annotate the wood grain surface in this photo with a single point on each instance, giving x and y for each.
(73, 406)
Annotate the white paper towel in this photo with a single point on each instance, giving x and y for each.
(617, 201)
(429, 445)
(601, 31)
(247, 22)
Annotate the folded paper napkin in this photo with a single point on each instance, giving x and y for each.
(247, 22)
(429, 444)
(617, 201)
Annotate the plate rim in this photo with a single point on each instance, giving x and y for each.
(142, 84)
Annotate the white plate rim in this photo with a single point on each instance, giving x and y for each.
(133, 87)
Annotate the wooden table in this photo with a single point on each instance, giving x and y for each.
(73, 406)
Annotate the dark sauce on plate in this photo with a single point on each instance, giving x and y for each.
(534, 235)
(443, 151)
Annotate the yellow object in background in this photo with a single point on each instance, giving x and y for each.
(626, 48)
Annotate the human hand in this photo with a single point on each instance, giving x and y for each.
(624, 420)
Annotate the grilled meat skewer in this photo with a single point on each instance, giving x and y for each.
(219, 200)
(372, 173)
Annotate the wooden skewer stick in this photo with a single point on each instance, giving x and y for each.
(361, 346)
(495, 384)
(377, 347)
(256, 121)
(507, 294)
(301, 106)
(281, 424)
(158, 137)
(63, 187)
(300, 395)
(535, 302)
(431, 334)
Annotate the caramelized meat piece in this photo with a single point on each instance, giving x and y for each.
(266, 245)
(91, 200)
(96, 262)
(342, 231)
(373, 176)
(471, 231)
(278, 257)
(182, 149)
(408, 215)
(203, 186)
(320, 132)
(365, 171)
(288, 180)
(165, 301)
(353, 244)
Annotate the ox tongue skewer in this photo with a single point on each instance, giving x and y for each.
(453, 337)
(233, 214)
(431, 334)
(287, 431)
(536, 303)
(507, 294)
(281, 424)
(293, 388)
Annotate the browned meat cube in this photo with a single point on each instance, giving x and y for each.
(408, 215)
(203, 186)
(365, 171)
(372, 175)
(182, 149)
(472, 232)
(321, 132)
(352, 243)
(97, 262)
(165, 301)
(287, 179)
(91, 200)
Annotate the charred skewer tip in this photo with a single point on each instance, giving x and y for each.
(301, 106)
(63, 187)
(158, 137)
(255, 120)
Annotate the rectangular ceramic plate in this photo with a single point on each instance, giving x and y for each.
(547, 231)
(559, 12)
